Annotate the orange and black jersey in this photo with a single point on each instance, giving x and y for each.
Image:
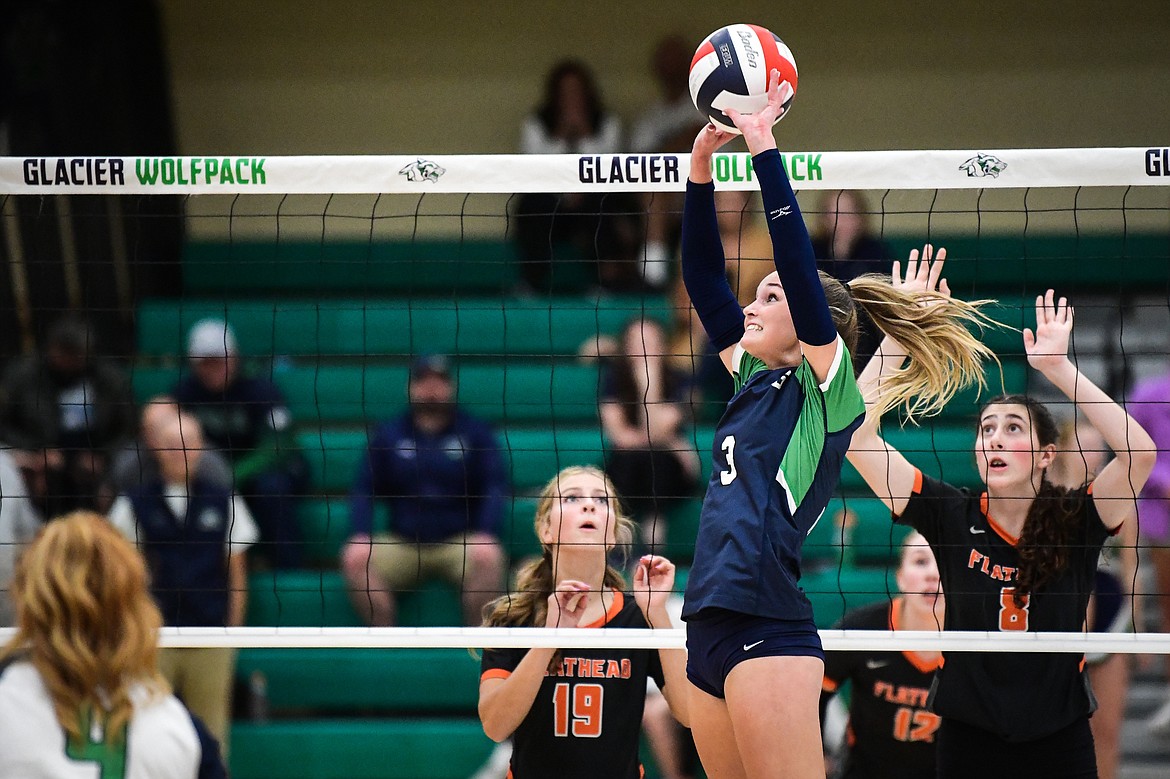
(587, 717)
(891, 731)
(1018, 696)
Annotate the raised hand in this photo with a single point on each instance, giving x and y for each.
(567, 604)
(922, 276)
(1047, 347)
(653, 582)
(709, 140)
(757, 127)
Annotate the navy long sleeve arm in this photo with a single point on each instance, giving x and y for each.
(703, 268)
(793, 252)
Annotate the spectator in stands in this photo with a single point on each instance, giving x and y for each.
(246, 418)
(441, 473)
(844, 244)
(845, 247)
(668, 125)
(64, 411)
(604, 228)
(194, 536)
(135, 463)
(19, 523)
(644, 416)
(1149, 403)
(81, 693)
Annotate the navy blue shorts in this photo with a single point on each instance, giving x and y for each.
(719, 640)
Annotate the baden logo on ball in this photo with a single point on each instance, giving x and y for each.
(730, 70)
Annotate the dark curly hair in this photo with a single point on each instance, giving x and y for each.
(1044, 542)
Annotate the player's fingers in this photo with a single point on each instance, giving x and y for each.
(911, 266)
(896, 273)
(944, 288)
(936, 269)
(785, 92)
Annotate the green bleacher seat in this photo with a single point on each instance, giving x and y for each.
(269, 268)
(519, 535)
(964, 407)
(940, 449)
(403, 680)
(345, 394)
(1029, 262)
(837, 589)
(333, 457)
(318, 598)
(682, 530)
(299, 599)
(876, 538)
(514, 392)
(414, 748)
(535, 455)
(324, 524)
(381, 328)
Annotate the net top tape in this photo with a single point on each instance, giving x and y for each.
(509, 173)
(668, 638)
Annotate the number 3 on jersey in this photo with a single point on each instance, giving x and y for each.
(110, 756)
(1011, 616)
(728, 447)
(586, 711)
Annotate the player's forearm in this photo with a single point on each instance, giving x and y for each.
(885, 362)
(505, 705)
(703, 267)
(792, 250)
(674, 674)
(1121, 431)
(237, 590)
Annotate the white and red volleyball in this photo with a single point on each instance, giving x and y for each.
(730, 70)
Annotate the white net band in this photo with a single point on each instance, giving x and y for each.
(487, 174)
(618, 638)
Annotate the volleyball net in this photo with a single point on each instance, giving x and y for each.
(338, 273)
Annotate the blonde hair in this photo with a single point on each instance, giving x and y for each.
(528, 606)
(944, 355)
(87, 623)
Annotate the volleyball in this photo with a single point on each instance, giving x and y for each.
(730, 70)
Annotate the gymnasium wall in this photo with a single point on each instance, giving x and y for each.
(370, 76)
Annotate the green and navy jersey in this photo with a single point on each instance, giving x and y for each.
(891, 731)
(777, 455)
(587, 718)
(1020, 696)
(162, 740)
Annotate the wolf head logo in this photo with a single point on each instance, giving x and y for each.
(422, 170)
(983, 165)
